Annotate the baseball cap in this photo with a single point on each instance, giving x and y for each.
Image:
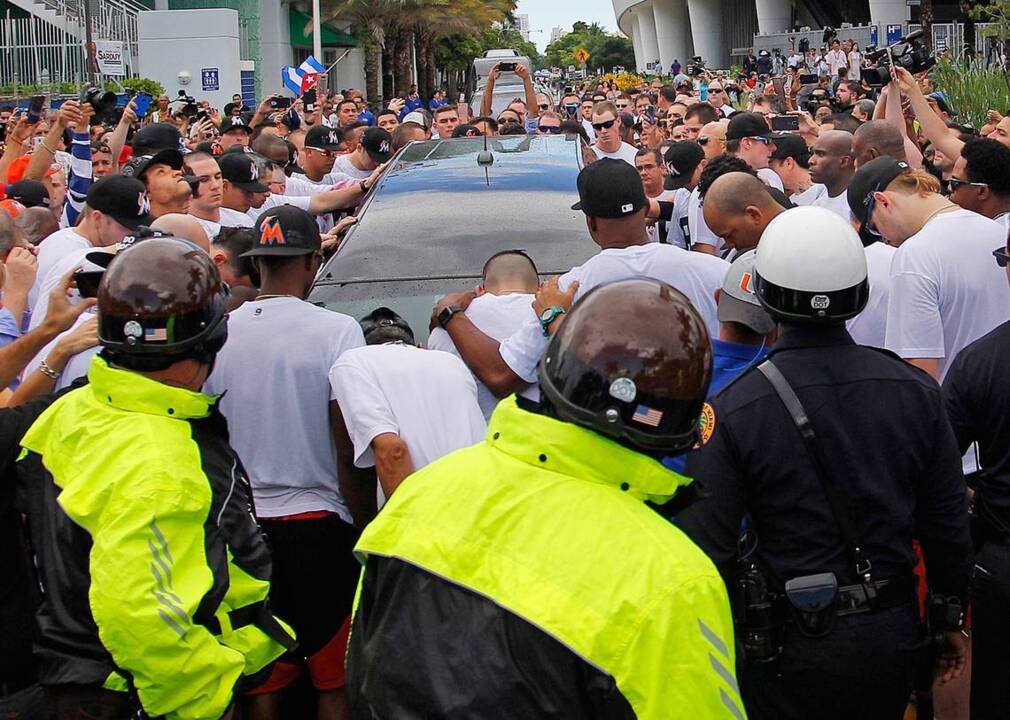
(320, 137)
(682, 159)
(234, 123)
(737, 301)
(378, 143)
(157, 136)
(747, 124)
(872, 177)
(30, 193)
(12, 207)
(286, 231)
(241, 170)
(610, 188)
(941, 101)
(418, 117)
(122, 198)
(16, 170)
(383, 317)
(790, 146)
(139, 164)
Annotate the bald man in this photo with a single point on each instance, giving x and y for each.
(37, 223)
(738, 208)
(183, 226)
(876, 138)
(832, 165)
(712, 139)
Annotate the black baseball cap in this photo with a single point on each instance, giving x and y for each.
(122, 198)
(241, 170)
(870, 178)
(610, 188)
(378, 143)
(320, 137)
(137, 165)
(383, 317)
(790, 146)
(30, 193)
(157, 136)
(285, 231)
(747, 124)
(682, 159)
(235, 123)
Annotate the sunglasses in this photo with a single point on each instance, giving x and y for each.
(762, 138)
(325, 153)
(954, 184)
(1002, 258)
(549, 129)
(868, 217)
(606, 125)
(663, 123)
(543, 107)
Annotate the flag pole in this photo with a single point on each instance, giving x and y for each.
(317, 36)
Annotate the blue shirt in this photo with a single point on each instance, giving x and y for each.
(367, 117)
(433, 104)
(410, 106)
(729, 360)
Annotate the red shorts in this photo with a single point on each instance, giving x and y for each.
(326, 667)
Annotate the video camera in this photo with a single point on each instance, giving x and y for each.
(103, 102)
(695, 67)
(909, 52)
(189, 107)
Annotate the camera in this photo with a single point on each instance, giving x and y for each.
(829, 36)
(909, 53)
(759, 620)
(102, 101)
(279, 102)
(189, 107)
(695, 67)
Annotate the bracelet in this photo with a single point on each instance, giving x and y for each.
(48, 371)
(364, 190)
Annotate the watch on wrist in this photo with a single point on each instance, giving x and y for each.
(364, 188)
(446, 315)
(548, 316)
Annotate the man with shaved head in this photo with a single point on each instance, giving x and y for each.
(712, 139)
(184, 226)
(738, 208)
(831, 165)
(37, 223)
(876, 138)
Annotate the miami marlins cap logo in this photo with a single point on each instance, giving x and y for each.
(271, 233)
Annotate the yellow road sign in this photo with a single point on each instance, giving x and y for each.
(582, 55)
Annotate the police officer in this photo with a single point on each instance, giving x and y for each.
(977, 397)
(526, 575)
(154, 571)
(827, 615)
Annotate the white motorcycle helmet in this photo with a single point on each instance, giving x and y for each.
(811, 267)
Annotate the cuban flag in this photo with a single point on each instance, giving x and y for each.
(302, 78)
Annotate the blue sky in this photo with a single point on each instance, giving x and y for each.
(545, 14)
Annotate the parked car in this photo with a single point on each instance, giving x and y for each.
(437, 215)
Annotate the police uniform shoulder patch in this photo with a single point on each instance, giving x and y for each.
(706, 424)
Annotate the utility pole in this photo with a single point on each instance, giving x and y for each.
(317, 35)
(91, 60)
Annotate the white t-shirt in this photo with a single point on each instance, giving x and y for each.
(426, 397)
(869, 327)
(343, 166)
(499, 317)
(677, 230)
(771, 178)
(209, 226)
(946, 290)
(652, 231)
(301, 185)
(50, 250)
(838, 204)
(625, 152)
(836, 60)
(275, 373)
(234, 218)
(699, 230)
(697, 275)
(272, 201)
(590, 130)
(77, 365)
(808, 196)
(56, 270)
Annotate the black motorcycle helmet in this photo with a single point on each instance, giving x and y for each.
(633, 362)
(159, 302)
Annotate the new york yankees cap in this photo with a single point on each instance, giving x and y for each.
(241, 170)
(122, 198)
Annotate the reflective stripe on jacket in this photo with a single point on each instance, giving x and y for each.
(153, 565)
(547, 520)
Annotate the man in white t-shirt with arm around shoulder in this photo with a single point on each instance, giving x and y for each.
(208, 190)
(374, 148)
(614, 202)
(607, 126)
(748, 137)
(946, 292)
(273, 376)
(832, 164)
(504, 302)
(404, 407)
(243, 188)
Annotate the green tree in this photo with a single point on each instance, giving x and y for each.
(605, 50)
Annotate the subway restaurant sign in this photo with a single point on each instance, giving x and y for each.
(111, 57)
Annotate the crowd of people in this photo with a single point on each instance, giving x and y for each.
(747, 460)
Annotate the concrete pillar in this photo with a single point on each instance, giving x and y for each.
(636, 42)
(888, 12)
(647, 34)
(706, 29)
(671, 31)
(774, 16)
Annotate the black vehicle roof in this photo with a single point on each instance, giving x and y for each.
(438, 214)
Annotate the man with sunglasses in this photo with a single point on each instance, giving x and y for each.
(749, 138)
(719, 99)
(712, 139)
(607, 126)
(303, 483)
(549, 123)
(945, 290)
(980, 181)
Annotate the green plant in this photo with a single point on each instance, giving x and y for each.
(972, 89)
(137, 84)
